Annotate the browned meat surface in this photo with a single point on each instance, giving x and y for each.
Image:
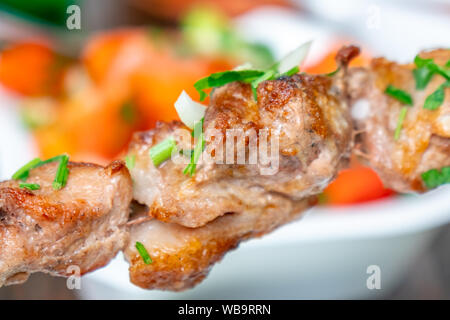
(83, 224)
(424, 141)
(182, 257)
(307, 114)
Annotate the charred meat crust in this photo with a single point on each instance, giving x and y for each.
(82, 225)
(182, 257)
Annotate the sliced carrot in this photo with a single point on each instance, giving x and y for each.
(26, 68)
(102, 50)
(355, 185)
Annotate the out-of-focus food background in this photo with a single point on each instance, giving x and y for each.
(85, 91)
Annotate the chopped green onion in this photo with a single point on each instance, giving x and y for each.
(143, 252)
(162, 151)
(447, 65)
(399, 94)
(29, 186)
(400, 120)
(198, 149)
(52, 159)
(22, 173)
(434, 177)
(130, 161)
(62, 173)
(436, 99)
(219, 79)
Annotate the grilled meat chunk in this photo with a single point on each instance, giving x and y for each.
(303, 120)
(182, 257)
(82, 225)
(424, 141)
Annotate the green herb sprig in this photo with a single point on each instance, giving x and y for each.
(434, 177)
(436, 99)
(29, 186)
(162, 151)
(219, 79)
(24, 172)
(61, 174)
(198, 148)
(426, 69)
(143, 253)
(399, 94)
(254, 77)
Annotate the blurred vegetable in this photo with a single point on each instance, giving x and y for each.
(173, 10)
(101, 55)
(32, 69)
(38, 112)
(207, 31)
(355, 185)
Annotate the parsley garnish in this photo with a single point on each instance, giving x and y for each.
(432, 66)
(422, 76)
(254, 77)
(162, 151)
(426, 68)
(434, 177)
(405, 98)
(143, 252)
(29, 186)
(436, 99)
(219, 79)
(399, 94)
(198, 149)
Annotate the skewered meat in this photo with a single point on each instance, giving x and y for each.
(183, 257)
(424, 141)
(308, 117)
(82, 225)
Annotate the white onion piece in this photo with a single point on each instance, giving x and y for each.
(295, 58)
(190, 112)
